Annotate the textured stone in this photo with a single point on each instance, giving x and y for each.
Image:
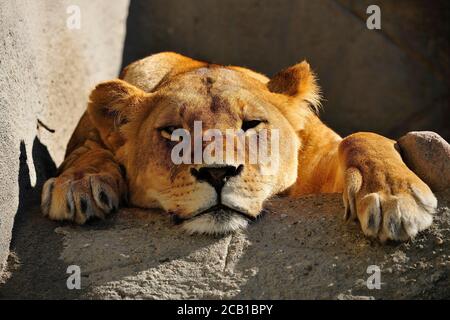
(301, 249)
(428, 155)
(46, 72)
(390, 81)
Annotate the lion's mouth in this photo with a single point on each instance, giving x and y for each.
(218, 210)
(218, 219)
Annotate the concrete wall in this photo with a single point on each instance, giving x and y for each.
(46, 72)
(391, 81)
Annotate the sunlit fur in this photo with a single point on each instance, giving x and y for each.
(117, 152)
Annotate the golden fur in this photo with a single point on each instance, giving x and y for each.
(118, 152)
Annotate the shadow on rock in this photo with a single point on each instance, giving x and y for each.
(305, 251)
(36, 272)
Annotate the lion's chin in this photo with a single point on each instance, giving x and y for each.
(215, 223)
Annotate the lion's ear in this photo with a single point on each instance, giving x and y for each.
(297, 82)
(112, 104)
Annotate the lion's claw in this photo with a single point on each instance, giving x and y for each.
(78, 200)
(388, 215)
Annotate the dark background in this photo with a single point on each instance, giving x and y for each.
(390, 81)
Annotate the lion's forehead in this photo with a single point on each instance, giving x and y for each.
(215, 111)
(217, 96)
(205, 80)
(218, 89)
(218, 74)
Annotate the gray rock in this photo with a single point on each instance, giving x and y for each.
(138, 254)
(46, 73)
(428, 155)
(389, 81)
(343, 296)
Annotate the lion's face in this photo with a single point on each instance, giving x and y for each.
(216, 193)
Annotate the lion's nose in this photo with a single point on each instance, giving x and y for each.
(216, 176)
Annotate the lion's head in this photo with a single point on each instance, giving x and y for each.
(136, 117)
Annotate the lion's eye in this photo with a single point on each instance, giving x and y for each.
(250, 124)
(166, 132)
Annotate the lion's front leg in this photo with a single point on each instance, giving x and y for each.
(90, 185)
(389, 200)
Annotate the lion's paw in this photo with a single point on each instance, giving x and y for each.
(387, 214)
(78, 200)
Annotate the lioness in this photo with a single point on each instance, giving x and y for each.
(121, 152)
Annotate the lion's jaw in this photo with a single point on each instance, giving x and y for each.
(218, 221)
(196, 205)
(241, 201)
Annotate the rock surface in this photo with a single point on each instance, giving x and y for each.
(428, 155)
(46, 73)
(389, 81)
(301, 249)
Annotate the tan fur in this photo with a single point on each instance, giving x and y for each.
(121, 132)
